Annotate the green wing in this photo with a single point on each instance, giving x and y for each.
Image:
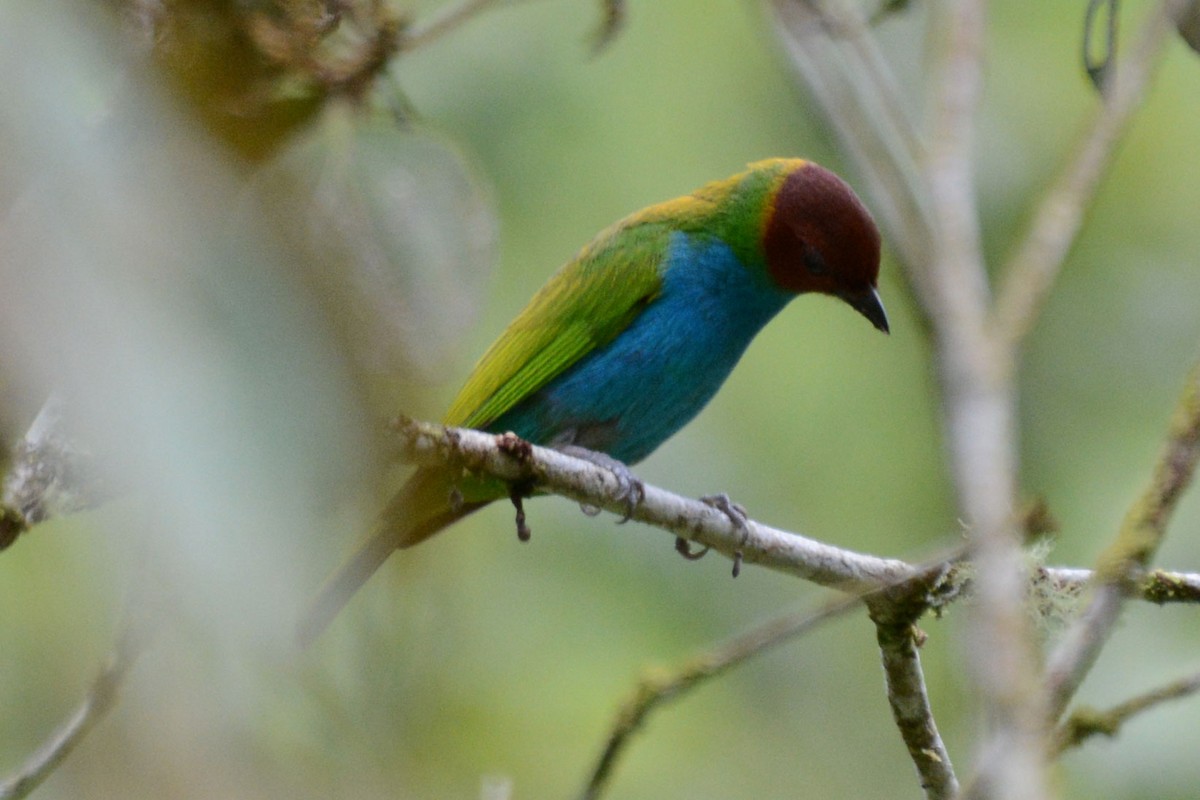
(582, 307)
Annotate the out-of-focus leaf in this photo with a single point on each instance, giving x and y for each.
(399, 227)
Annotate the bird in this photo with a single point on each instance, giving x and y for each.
(631, 338)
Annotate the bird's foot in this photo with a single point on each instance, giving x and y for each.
(684, 548)
(737, 515)
(517, 493)
(630, 489)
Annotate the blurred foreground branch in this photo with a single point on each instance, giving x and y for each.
(50, 475)
(930, 215)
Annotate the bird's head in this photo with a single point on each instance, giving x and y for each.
(819, 237)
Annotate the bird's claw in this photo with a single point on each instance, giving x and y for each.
(735, 511)
(684, 548)
(737, 515)
(630, 489)
(517, 493)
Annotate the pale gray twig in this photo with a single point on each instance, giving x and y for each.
(1031, 272)
(50, 475)
(100, 698)
(1141, 533)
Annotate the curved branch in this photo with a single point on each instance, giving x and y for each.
(1031, 272)
(98, 701)
(656, 689)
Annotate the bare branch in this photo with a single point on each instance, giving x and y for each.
(1158, 586)
(693, 520)
(1032, 271)
(655, 689)
(1085, 723)
(446, 20)
(1142, 531)
(849, 80)
(98, 701)
(593, 485)
(50, 476)
(895, 612)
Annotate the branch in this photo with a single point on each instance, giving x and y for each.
(448, 18)
(656, 689)
(587, 483)
(1158, 586)
(1085, 722)
(1032, 271)
(895, 612)
(859, 97)
(1141, 534)
(50, 476)
(893, 607)
(98, 701)
(510, 459)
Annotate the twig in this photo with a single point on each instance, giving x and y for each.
(445, 21)
(50, 475)
(894, 606)
(853, 88)
(979, 407)
(1158, 586)
(1141, 533)
(1085, 723)
(655, 689)
(100, 698)
(587, 483)
(1033, 269)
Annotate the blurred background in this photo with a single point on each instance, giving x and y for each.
(234, 271)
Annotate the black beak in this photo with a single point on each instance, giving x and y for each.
(870, 306)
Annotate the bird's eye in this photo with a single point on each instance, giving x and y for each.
(813, 261)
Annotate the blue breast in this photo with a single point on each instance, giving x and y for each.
(628, 397)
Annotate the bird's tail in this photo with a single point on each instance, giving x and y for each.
(420, 509)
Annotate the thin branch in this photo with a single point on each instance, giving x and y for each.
(1085, 723)
(850, 82)
(1141, 534)
(50, 475)
(1031, 272)
(1158, 586)
(447, 19)
(510, 459)
(905, 600)
(98, 701)
(656, 689)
